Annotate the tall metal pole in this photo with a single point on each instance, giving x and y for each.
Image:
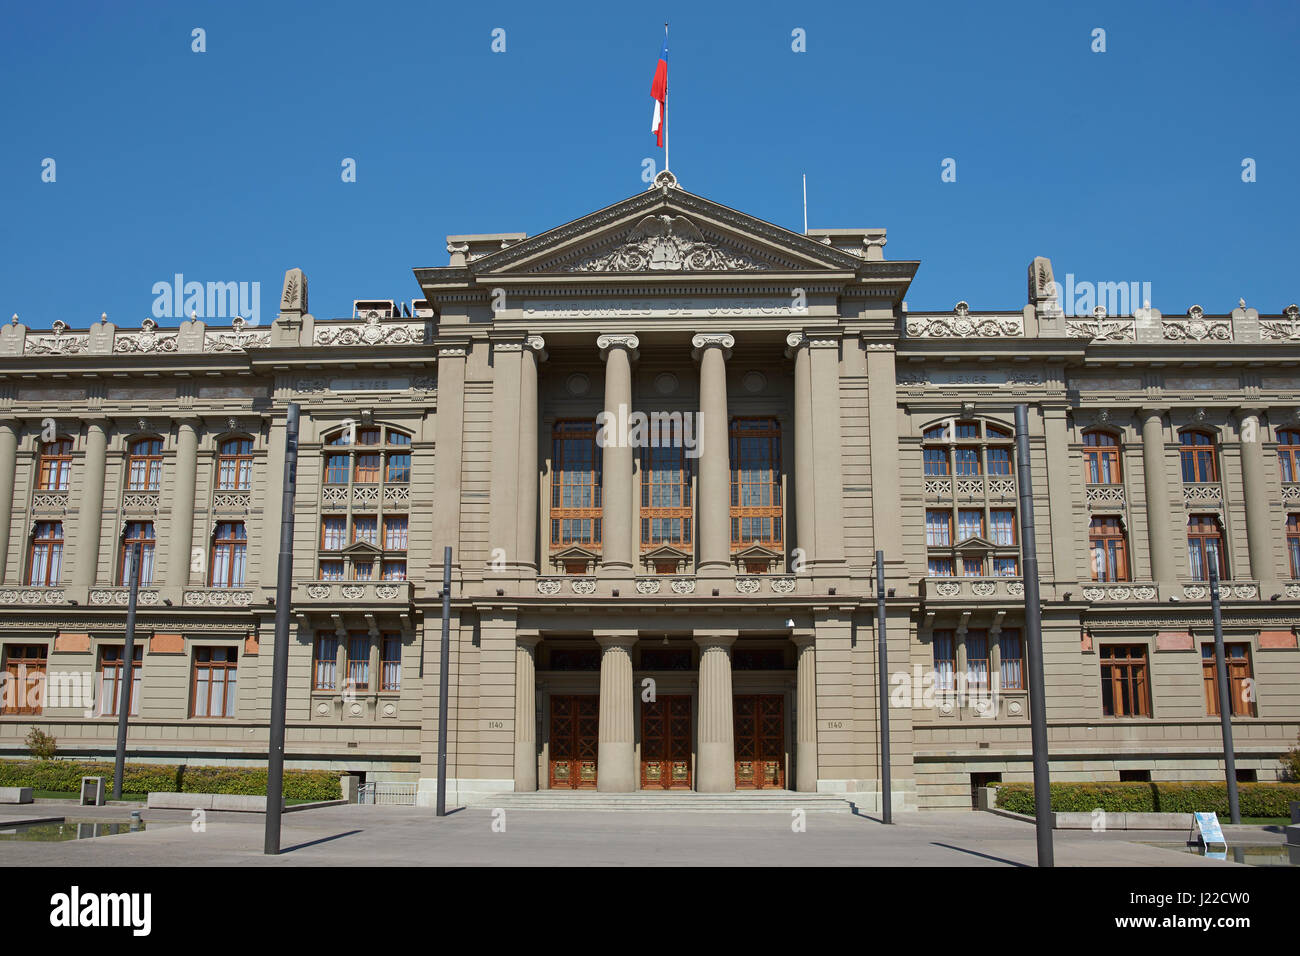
(444, 667)
(1034, 643)
(280, 668)
(664, 118)
(1225, 704)
(882, 664)
(128, 661)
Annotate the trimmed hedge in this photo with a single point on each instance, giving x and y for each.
(1257, 799)
(64, 776)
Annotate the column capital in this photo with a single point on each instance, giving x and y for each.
(626, 340)
(529, 641)
(716, 639)
(453, 350)
(1146, 411)
(625, 641)
(536, 344)
(804, 639)
(703, 340)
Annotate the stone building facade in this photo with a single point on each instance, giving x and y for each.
(664, 442)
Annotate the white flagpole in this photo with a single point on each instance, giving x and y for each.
(664, 118)
(805, 202)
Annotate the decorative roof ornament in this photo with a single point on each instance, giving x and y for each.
(665, 243)
(664, 180)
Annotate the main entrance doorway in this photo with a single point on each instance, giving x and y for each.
(575, 733)
(666, 743)
(760, 741)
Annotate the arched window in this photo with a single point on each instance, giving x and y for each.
(1205, 544)
(980, 538)
(1199, 460)
(575, 485)
(1288, 454)
(46, 560)
(1101, 455)
(1109, 548)
(365, 497)
(55, 465)
(235, 465)
(141, 533)
(144, 465)
(229, 555)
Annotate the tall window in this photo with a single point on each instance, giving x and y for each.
(1288, 454)
(1293, 544)
(367, 468)
(936, 462)
(1205, 543)
(938, 527)
(359, 661)
(144, 465)
(111, 677)
(1101, 457)
(365, 528)
(390, 678)
(395, 527)
(999, 460)
(235, 465)
(575, 485)
(756, 508)
(1002, 525)
(325, 662)
(25, 691)
(1125, 689)
(1109, 549)
(977, 661)
(945, 659)
(1240, 683)
(1012, 651)
(141, 533)
(665, 497)
(215, 679)
(55, 465)
(333, 533)
(229, 555)
(46, 562)
(336, 469)
(970, 523)
(1198, 458)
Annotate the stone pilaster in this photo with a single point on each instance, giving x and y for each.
(182, 517)
(819, 480)
(526, 712)
(91, 507)
(805, 754)
(1259, 525)
(715, 768)
(617, 542)
(8, 464)
(1160, 534)
(527, 484)
(503, 525)
(615, 750)
(805, 524)
(448, 436)
(713, 506)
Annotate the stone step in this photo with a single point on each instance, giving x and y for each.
(780, 802)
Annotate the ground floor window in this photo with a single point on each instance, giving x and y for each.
(24, 688)
(1241, 685)
(215, 678)
(1125, 687)
(111, 660)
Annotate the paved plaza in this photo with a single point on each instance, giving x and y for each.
(408, 836)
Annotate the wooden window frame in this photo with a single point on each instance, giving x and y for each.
(340, 535)
(1113, 539)
(1196, 524)
(946, 513)
(760, 428)
(971, 641)
(229, 667)
(150, 461)
(1015, 536)
(55, 462)
(26, 665)
(1101, 454)
(1293, 544)
(53, 546)
(581, 478)
(1240, 669)
(238, 555)
(1018, 683)
(148, 553)
(949, 639)
(238, 462)
(1133, 670)
(112, 698)
(674, 461)
(1200, 459)
(390, 667)
(325, 665)
(352, 663)
(389, 530)
(1288, 455)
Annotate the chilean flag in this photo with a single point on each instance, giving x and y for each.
(659, 90)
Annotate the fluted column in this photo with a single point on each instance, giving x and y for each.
(715, 768)
(527, 485)
(1160, 539)
(713, 503)
(805, 524)
(182, 524)
(526, 713)
(91, 507)
(615, 750)
(617, 543)
(828, 449)
(1259, 531)
(805, 755)
(449, 433)
(8, 465)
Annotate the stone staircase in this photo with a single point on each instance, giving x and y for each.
(758, 801)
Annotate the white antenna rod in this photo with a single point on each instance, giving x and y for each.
(805, 204)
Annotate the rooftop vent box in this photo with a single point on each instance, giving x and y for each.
(374, 309)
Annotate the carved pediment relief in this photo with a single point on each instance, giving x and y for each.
(664, 243)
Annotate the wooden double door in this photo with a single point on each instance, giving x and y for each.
(575, 736)
(666, 743)
(760, 741)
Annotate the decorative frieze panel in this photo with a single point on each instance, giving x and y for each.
(1099, 328)
(668, 244)
(121, 597)
(334, 496)
(365, 496)
(961, 324)
(1203, 495)
(31, 595)
(1106, 496)
(1286, 330)
(1120, 592)
(1001, 488)
(970, 487)
(355, 592)
(373, 331)
(50, 501)
(140, 501)
(218, 597)
(1293, 590)
(938, 488)
(1291, 493)
(1228, 591)
(148, 339)
(73, 343)
(1197, 328)
(232, 501)
(980, 589)
(397, 496)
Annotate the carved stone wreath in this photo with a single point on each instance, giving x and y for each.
(584, 586)
(647, 586)
(548, 586)
(783, 585)
(747, 585)
(683, 585)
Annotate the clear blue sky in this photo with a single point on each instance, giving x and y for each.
(225, 165)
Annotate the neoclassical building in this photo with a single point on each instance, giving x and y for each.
(664, 442)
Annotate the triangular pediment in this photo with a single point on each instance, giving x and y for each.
(756, 552)
(575, 553)
(666, 231)
(665, 552)
(976, 543)
(361, 548)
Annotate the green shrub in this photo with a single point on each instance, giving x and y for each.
(1291, 763)
(65, 776)
(1256, 799)
(41, 745)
